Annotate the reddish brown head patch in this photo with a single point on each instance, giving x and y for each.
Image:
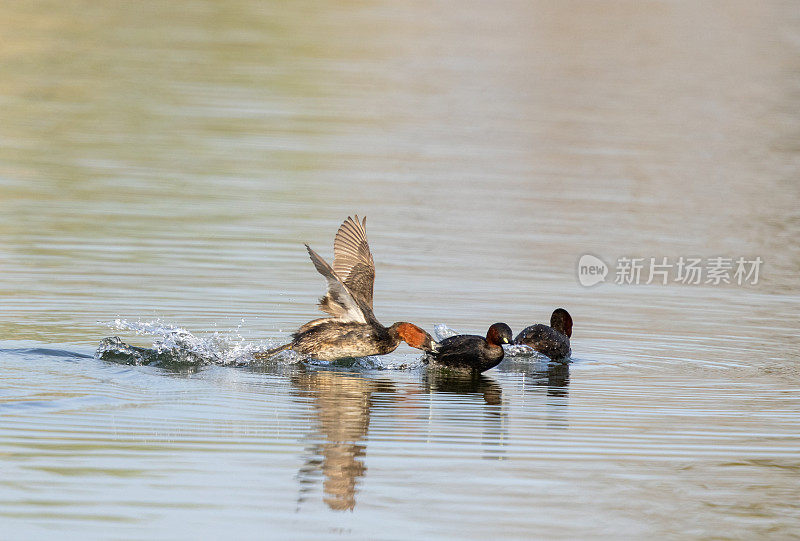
(414, 336)
(499, 334)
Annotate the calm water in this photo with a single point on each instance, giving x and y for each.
(161, 164)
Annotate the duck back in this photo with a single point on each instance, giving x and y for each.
(545, 340)
(467, 351)
(332, 339)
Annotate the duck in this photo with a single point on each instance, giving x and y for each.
(472, 352)
(351, 329)
(552, 341)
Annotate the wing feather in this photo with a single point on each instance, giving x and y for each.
(338, 301)
(352, 260)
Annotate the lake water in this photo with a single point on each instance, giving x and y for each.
(162, 164)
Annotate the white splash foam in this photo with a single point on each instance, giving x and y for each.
(217, 348)
(520, 350)
(442, 331)
(182, 346)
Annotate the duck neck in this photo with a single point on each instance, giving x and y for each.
(411, 335)
(395, 333)
(389, 341)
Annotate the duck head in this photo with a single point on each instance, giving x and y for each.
(499, 334)
(561, 321)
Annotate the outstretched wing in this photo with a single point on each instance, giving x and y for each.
(338, 301)
(352, 260)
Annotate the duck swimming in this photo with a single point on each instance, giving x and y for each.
(468, 351)
(352, 329)
(552, 341)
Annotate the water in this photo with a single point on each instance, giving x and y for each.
(162, 163)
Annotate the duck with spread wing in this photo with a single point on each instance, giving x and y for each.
(351, 330)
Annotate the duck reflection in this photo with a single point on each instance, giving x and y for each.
(557, 378)
(342, 407)
(449, 381)
(544, 376)
(494, 426)
(553, 377)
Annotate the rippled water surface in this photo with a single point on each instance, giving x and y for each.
(162, 164)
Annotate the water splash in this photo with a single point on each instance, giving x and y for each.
(366, 363)
(173, 345)
(442, 331)
(392, 361)
(520, 350)
(176, 345)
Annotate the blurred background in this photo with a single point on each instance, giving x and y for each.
(168, 159)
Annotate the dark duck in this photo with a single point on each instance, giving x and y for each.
(473, 352)
(552, 341)
(351, 330)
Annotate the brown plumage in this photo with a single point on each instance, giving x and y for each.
(352, 329)
(352, 260)
(473, 352)
(552, 341)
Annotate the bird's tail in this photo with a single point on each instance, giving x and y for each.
(269, 353)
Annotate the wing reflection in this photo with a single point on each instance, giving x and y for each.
(342, 407)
